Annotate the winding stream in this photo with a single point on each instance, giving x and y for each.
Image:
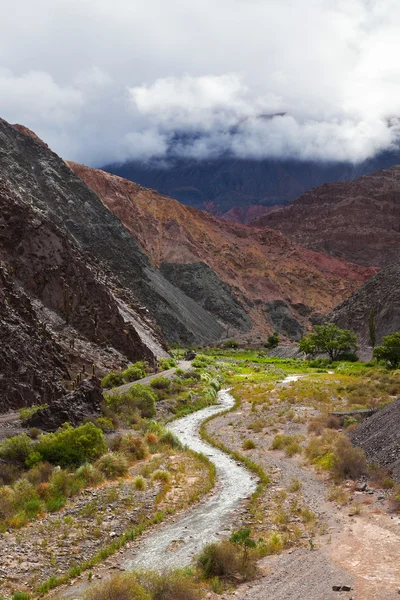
(174, 544)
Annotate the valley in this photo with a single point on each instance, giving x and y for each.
(310, 518)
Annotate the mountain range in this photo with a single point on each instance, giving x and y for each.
(97, 271)
(243, 189)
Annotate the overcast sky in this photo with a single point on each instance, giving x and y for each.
(109, 80)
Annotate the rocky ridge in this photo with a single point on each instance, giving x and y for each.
(75, 290)
(380, 293)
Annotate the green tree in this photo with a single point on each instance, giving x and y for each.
(389, 351)
(329, 339)
(372, 327)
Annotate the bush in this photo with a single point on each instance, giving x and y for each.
(167, 363)
(119, 587)
(170, 439)
(112, 379)
(288, 443)
(349, 462)
(134, 372)
(230, 344)
(163, 476)
(8, 474)
(272, 340)
(17, 449)
(89, 474)
(65, 484)
(173, 585)
(21, 596)
(134, 447)
(26, 413)
(160, 383)
(221, 559)
(248, 445)
(112, 465)
(40, 473)
(105, 424)
(140, 483)
(140, 397)
(71, 446)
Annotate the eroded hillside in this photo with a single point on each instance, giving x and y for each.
(253, 281)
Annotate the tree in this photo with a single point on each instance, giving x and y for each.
(389, 351)
(329, 339)
(272, 340)
(372, 327)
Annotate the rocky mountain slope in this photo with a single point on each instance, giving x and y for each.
(253, 281)
(220, 185)
(75, 289)
(381, 293)
(357, 220)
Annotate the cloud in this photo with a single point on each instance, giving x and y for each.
(104, 82)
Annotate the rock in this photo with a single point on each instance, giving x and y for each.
(190, 355)
(73, 408)
(361, 487)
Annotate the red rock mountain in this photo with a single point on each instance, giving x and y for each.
(356, 220)
(253, 280)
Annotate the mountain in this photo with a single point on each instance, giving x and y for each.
(252, 281)
(381, 293)
(356, 220)
(227, 183)
(75, 289)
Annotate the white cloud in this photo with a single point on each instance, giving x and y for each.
(104, 81)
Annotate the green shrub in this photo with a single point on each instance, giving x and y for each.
(8, 474)
(40, 473)
(221, 559)
(160, 383)
(163, 476)
(172, 585)
(119, 587)
(140, 397)
(21, 596)
(202, 361)
(134, 372)
(248, 445)
(17, 449)
(56, 503)
(230, 344)
(89, 474)
(272, 340)
(112, 379)
(170, 439)
(167, 363)
(105, 424)
(112, 465)
(140, 483)
(71, 446)
(26, 413)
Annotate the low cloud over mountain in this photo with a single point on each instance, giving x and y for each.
(106, 82)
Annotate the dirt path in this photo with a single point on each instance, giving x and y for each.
(360, 551)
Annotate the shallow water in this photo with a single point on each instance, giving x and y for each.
(175, 543)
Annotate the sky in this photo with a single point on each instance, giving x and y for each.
(105, 81)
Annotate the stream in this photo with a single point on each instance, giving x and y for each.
(175, 544)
